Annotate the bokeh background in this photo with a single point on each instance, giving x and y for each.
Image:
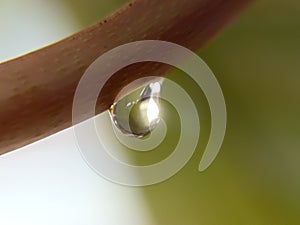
(255, 178)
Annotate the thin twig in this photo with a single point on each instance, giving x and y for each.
(36, 90)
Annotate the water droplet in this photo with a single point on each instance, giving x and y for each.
(137, 114)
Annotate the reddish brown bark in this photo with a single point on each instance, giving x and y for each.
(36, 90)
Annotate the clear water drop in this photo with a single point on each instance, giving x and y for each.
(137, 114)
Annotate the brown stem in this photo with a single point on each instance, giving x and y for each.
(36, 90)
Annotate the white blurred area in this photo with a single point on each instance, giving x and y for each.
(48, 182)
(31, 24)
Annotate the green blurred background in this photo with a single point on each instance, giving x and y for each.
(255, 179)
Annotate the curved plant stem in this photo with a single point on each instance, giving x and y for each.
(36, 90)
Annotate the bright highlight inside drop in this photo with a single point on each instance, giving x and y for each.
(138, 115)
(152, 111)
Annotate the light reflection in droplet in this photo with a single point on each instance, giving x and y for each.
(137, 117)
